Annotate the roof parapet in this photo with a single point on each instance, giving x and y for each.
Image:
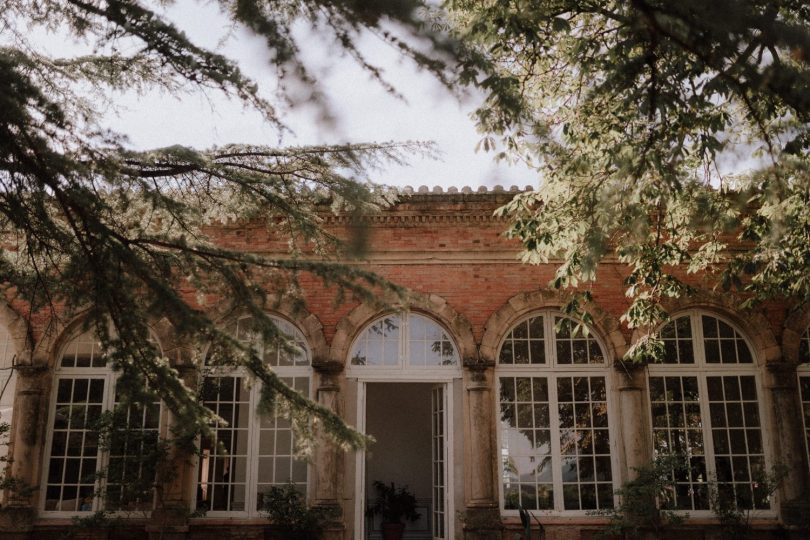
(439, 190)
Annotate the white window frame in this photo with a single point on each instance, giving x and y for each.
(552, 371)
(110, 378)
(403, 369)
(254, 425)
(702, 370)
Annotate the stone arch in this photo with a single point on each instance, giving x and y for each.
(19, 332)
(308, 323)
(60, 335)
(433, 306)
(755, 326)
(522, 304)
(796, 324)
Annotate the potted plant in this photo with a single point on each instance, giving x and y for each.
(393, 504)
(292, 519)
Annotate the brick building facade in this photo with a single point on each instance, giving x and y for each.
(479, 396)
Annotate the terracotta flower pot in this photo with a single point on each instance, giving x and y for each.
(392, 531)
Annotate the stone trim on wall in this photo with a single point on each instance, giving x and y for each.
(20, 333)
(796, 323)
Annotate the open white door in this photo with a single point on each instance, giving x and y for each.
(439, 447)
(360, 464)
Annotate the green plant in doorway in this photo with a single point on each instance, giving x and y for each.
(286, 507)
(393, 504)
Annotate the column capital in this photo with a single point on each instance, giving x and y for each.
(632, 375)
(30, 370)
(781, 368)
(782, 375)
(477, 364)
(325, 366)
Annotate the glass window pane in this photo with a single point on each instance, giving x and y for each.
(737, 448)
(73, 453)
(675, 408)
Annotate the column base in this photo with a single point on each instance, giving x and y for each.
(168, 523)
(482, 523)
(16, 522)
(796, 513)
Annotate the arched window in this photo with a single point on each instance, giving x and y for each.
(804, 385)
(81, 474)
(704, 406)
(243, 458)
(555, 441)
(8, 379)
(403, 341)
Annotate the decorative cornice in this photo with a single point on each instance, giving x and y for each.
(438, 205)
(466, 190)
(402, 219)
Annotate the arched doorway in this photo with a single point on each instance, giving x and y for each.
(408, 374)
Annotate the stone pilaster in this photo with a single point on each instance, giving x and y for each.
(327, 457)
(481, 519)
(636, 440)
(787, 428)
(26, 445)
(169, 519)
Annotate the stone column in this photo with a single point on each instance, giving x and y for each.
(30, 413)
(636, 439)
(169, 519)
(787, 430)
(482, 518)
(327, 457)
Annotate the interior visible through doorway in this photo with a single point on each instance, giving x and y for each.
(398, 416)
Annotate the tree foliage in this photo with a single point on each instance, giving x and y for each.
(670, 136)
(129, 237)
(634, 113)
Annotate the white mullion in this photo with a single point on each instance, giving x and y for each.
(404, 341)
(551, 340)
(554, 410)
(616, 479)
(49, 445)
(701, 367)
(449, 479)
(698, 345)
(556, 455)
(500, 439)
(764, 436)
(708, 438)
(103, 457)
(252, 461)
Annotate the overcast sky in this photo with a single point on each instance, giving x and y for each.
(364, 112)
